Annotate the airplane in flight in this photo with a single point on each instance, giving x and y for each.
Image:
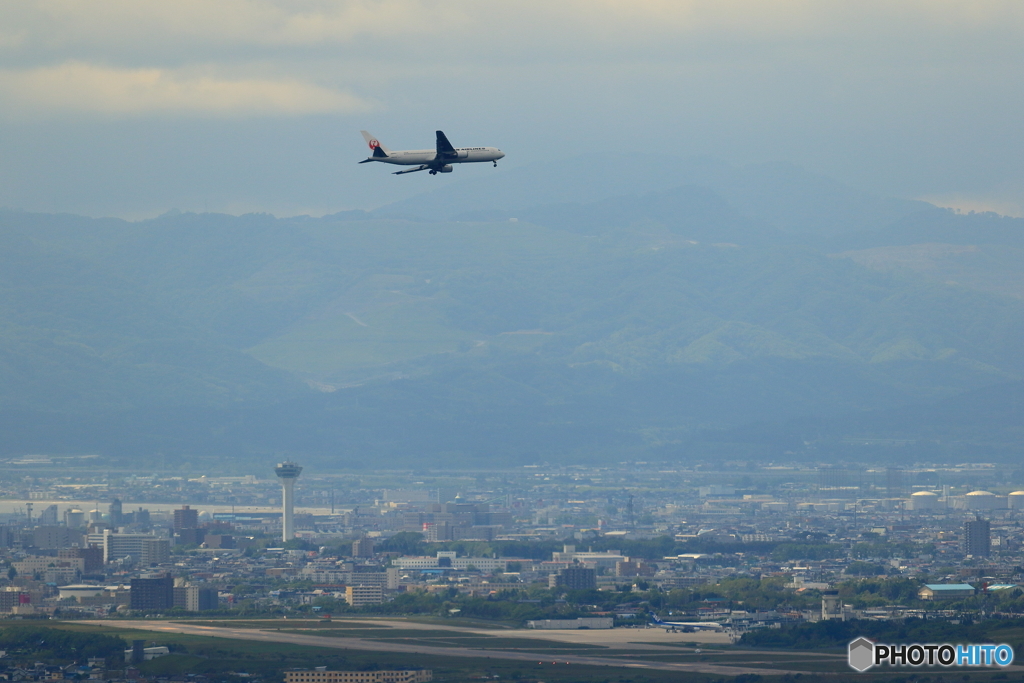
(436, 161)
(685, 626)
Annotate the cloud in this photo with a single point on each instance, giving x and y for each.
(81, 87)
(156, 26)
(347, 42)
(150, 23)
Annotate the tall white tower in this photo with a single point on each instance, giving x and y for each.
(287, 472)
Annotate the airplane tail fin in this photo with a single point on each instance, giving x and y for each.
(378, 149)
(444, 148)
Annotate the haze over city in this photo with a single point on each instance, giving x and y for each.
(689, 349)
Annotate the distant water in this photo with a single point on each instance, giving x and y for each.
(17, 507)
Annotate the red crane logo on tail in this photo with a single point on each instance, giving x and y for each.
(374, 144)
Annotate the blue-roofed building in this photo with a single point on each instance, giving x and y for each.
(992, 588)
(946, 591)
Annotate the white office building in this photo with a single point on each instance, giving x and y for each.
(145, 549)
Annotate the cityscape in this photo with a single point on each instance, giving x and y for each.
(807, 543)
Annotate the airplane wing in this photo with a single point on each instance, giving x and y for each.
(445, 150)
(424, 167)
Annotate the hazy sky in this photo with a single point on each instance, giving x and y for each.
(132, 107)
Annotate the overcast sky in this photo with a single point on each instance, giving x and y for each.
(133, 107)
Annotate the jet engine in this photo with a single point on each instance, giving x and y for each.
(447, 168)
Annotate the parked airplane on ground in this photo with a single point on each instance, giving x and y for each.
(436, 161)
(685, 626)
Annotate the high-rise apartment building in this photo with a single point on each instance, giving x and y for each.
(152, 591)
(194, 598)
(144, 549)
(362, 547)
(977, 537)
(575, 577)
(116, 513)
(186, 518)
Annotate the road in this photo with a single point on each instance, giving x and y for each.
(378, 646)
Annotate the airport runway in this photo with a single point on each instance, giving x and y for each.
(640, 638)
(378, 646)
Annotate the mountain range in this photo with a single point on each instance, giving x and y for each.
(563, 312)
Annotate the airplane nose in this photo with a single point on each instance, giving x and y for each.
(501, 155)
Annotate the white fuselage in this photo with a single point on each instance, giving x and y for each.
(463, 155)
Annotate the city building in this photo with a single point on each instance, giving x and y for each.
(607, 559)
(194, 598)
(146, 549)
(186, 518)
(34, 564)
(115, 513)
(581, 622)
(362, 547)
(189, 536)
(48, 516)
(144, 654)
(831, 605)
(633, 568)
(152, 592)
(92, 557)
(55, 537)
(574, 578)
(945, 591)
(449, 558)
(80, 591)
(357, 596)
(225, 541)
(977, 537)
(11, 598)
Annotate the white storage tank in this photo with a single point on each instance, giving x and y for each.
(1016, 500)
(924, 500)
(982, 500)
(74, 518)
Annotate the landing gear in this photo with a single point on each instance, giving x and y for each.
(433, 172)
(495, 164)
